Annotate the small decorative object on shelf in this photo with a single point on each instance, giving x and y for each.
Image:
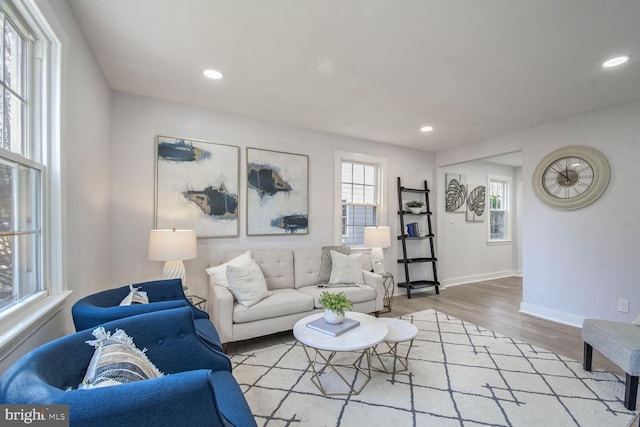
(413, 229)
(415, 206)
(334, 305)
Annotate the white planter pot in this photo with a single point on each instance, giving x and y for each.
(415, 210)
(333, 317)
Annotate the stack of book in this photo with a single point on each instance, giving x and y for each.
(321, 325)
(413, 229)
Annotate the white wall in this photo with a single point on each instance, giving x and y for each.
(576, 264)
(85, 138)
(86, 169)
(463, 253)
(136, 122)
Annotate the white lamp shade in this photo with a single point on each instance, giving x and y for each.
(172, 245)
(377, 237)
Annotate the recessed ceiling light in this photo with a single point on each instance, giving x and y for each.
(426, 128)
(213, 74)
(614, 62)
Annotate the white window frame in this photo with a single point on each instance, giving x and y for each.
(508, 181)
(381, 212)
(22, 319)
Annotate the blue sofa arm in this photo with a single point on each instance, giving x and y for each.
(86, 316)
(186, 398)
(101, 307)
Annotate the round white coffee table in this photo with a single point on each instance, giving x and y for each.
(321, 349)
(399, 331)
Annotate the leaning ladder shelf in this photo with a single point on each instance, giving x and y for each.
(406, 260)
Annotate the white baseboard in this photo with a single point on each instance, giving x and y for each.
(480, 277)
(553, 315)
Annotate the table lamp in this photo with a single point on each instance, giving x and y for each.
(173, 246)
(377, 238)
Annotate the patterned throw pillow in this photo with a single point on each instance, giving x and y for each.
(116, 360)
(346, 269)
(325, 264)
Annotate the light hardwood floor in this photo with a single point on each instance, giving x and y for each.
(495, 304)
(492, 304)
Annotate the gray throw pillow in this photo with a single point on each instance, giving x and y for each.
(325, 265)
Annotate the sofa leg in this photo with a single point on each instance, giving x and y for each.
(587, 356)
(377, 313)
(631, 392)
(225, 347)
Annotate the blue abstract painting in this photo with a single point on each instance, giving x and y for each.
(277, 193)
(197, 185)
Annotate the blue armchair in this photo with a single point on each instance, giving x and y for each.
(197, 389)
(96, 309)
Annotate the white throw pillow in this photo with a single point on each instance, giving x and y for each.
(247, 283)
(136, 296)
(346, 269)
(116, 360)
(219, 272)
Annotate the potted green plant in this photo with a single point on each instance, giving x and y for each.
(415, 206)
(334, 304)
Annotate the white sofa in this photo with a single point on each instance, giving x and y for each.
(291, 277)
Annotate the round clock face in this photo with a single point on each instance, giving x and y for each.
(571, 177)
(567, 177)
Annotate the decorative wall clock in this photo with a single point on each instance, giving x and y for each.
(571, 177)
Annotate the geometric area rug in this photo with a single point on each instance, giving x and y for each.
(459, 375)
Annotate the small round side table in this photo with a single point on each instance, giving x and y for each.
(399, 331)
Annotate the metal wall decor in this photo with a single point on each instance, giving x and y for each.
(455, 192)
(277, 193)
(197, 185)
(476, 201)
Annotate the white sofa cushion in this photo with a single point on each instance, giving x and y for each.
(282, 302)
(355, 294)
(306, 264)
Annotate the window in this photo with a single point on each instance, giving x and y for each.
(20, 234)
(30, 248)
(499, 208)
(361, 196)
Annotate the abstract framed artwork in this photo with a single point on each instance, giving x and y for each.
(277, 193)
(197, 186)
(455, 192)
(476, 202)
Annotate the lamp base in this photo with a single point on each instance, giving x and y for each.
(175, 270)
(377, 260)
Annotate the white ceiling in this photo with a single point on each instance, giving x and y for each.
(374, 69)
